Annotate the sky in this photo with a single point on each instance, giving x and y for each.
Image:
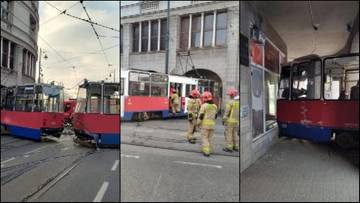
(76, 44)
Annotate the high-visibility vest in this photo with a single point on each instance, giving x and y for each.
(209, 111)
(232, 112)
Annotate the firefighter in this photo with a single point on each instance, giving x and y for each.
(193, 107)
(175, 102)
(231, 121)
(206, 121)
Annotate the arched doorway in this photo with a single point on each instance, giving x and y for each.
(210, 81)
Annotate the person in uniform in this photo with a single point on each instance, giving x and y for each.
(193, 107)
(231, 121)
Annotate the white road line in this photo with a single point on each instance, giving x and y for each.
(12, 158)
(64, 149)
(116, 163)
(101, 192)
(130, 156)
(197, 164)
(26, 156)
(35, 150)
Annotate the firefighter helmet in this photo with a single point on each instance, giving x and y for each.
(207, 96)
(195, 93)
(232, 92)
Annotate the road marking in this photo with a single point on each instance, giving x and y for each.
(12, 158)
(35, 150)
(116, 163)
(101, 192)
(26, 156)
(64, 149)
(197, 164)
(130, 156)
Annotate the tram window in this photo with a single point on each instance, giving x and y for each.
(24, 98)
(284, 89)
(306, 80)
(111, 99)
(159, 85)
(81, 101)
(139, 84)
(189, 88)
(9, 99)
(341, 78)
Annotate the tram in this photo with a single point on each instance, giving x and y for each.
(319, 99)
(96, 119)
(33, 111)
(145, 95)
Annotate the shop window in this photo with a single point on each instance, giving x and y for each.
(257, 101)
(271, 83)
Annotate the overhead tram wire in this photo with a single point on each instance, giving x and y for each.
(88, 21)
(61, 12)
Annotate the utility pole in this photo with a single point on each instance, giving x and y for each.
(167, 39)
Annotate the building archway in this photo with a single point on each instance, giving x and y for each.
(210, 81)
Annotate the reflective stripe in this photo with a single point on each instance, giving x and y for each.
(206, 149)
(234, 118)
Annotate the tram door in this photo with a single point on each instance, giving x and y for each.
(179, 89)
(122, 88)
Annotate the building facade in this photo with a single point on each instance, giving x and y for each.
(204, 40)
(19, 32)
(262, 51)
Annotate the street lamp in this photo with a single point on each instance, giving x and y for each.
(40, 68)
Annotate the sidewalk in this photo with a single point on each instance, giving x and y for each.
(170, 134)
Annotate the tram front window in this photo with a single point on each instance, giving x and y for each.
(341, 78)
(24, 98)
(306, 80)
(94, 103)
(52, 99)
(111, 99)
(284, 86)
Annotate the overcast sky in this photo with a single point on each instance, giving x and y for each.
(76, 42)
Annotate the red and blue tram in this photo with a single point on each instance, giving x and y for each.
(96, 119)
(319, 99)
(33, 111)
(146, 95)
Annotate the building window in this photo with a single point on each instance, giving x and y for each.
(32, 23)
(208, 29)
(196, 31)
(184, 34)
(5, 8)
(221, 25)
(163, 41)
(4, 54)
(144, 36)
(12, 56)
(136, 37)
(149, 5)
(154, 35)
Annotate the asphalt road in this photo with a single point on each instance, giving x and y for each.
(302, 171)
(153, 174)
(57, 171)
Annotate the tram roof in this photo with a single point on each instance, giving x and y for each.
(36, 84)
(97, 83)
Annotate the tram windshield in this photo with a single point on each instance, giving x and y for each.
(341, 78)
(306, 80)
(81, 100)
(111, 99)
(36, 98)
